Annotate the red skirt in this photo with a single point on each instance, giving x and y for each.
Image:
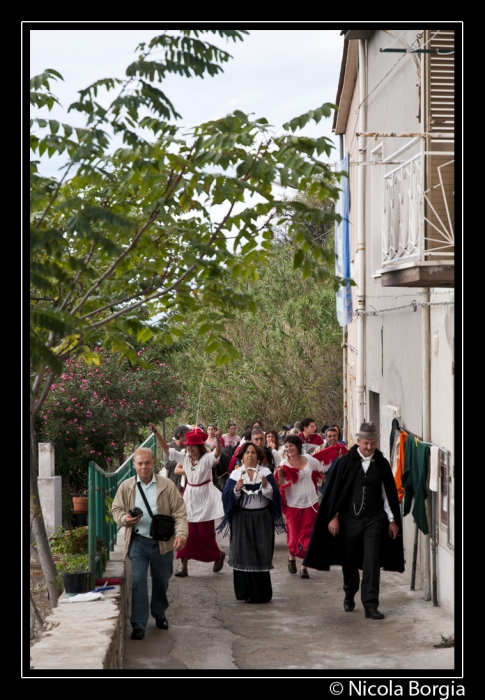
(299, 526)
(201, 543)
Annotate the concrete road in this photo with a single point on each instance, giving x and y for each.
(304, 627)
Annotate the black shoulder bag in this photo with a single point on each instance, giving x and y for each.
(163, 526)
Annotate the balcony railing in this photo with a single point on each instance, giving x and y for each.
(418, 213)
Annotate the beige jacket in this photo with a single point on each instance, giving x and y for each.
(169, 502)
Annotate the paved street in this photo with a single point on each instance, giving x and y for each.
(303, 628)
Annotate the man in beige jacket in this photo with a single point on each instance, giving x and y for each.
(163, 497)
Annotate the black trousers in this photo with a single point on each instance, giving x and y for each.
(253, 584)
(361, 543)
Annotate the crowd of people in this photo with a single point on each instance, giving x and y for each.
(335, 505)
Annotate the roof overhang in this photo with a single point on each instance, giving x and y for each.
(345, 90)
(351, 34)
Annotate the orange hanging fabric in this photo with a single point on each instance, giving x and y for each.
(403, 436)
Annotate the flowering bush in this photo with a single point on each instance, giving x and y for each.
(98, 411)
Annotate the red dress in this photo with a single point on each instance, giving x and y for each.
(300, 503)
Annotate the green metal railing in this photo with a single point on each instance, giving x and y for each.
(102, 487)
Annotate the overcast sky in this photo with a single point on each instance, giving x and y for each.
(275, 73)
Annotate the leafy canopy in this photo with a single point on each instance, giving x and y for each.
(166, 222)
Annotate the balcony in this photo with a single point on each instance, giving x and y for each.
(418, 216)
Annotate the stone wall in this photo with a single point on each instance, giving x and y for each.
(87, 635)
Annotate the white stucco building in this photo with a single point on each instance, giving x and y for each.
(396, 125)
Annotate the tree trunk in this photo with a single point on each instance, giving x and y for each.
(35, 616)
(38, 526)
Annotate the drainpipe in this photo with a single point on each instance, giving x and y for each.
(426, 345)
(426, 336)
(345, 360)
(360, 381)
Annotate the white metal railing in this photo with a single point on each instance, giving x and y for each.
(412, 228)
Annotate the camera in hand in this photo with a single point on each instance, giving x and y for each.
(135, 512)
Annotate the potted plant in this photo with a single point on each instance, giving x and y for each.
(79, 503)
(72, 548)
(74, 569)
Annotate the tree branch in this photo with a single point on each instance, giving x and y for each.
(76, 278)
(116, 262)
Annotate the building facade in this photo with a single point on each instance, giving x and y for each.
(396, 127)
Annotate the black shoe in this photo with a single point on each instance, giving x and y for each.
(162, 623)
(304, 573)
(257, 602)
(138, 633)
(292, 566)
(374, 614)
(349, 603)
(218, 564)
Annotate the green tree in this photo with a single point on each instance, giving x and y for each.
(100, 412)
(129, 233)
(290, 355)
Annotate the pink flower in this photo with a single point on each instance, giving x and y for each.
(108, 459)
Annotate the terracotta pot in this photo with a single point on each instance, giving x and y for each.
(80, 504)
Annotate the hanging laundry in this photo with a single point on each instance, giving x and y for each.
(397, 461)
(394, 431)
(416, 463)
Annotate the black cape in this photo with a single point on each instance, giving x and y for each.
(324, 549)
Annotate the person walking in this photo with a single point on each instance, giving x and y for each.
(359, 522)
(252, 509)
(142, 550)
(230, 438)
(202, 499)
(298, 475)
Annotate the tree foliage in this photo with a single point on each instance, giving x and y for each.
(290, 356)
(141, 229)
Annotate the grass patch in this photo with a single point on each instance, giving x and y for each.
(446, 642)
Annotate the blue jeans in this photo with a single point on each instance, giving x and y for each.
(144, 552)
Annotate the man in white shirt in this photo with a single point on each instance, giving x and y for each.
(360, 508)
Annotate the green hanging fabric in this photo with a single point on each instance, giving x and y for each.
(415, 477)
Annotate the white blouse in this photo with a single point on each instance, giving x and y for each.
(266, 491)
(303, 494)
(203, 502)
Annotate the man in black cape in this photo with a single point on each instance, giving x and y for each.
(358, 523)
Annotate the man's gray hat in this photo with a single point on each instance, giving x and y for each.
(368, 431)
